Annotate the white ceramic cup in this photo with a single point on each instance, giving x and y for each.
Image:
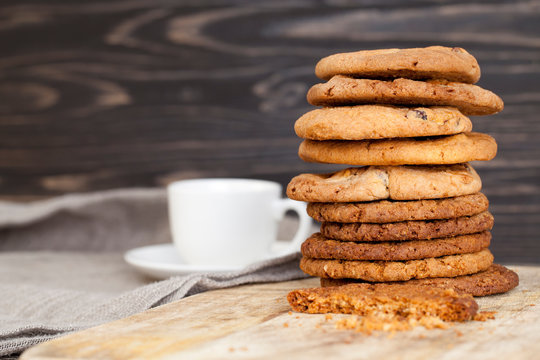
(230, 222)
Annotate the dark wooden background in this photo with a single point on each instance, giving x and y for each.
(129, 93)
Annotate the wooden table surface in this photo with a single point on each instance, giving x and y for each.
(250, 322)
(108, 94)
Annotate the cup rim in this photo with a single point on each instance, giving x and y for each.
(223, 185)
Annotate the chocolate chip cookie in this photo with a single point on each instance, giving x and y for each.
(441, 150)
(343, 90)
(380, 122)
(386, 182)
(433, 62)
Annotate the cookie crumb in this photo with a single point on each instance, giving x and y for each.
(231, 349)
(285, 325)
(328, 317)
(368, 324)
(484, 315)
(290, 313)
(532, 304)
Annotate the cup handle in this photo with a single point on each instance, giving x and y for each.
(304, 226)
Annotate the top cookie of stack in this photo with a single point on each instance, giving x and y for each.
(414, 211)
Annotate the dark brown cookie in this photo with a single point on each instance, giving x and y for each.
(382, 271)
(410, 301)
(385, 211)
(408, 230)
(495, 280)
(319, 247)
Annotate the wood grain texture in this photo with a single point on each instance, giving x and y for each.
(97, 95)
(252, 322)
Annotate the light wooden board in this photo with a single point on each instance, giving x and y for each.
(253, 322)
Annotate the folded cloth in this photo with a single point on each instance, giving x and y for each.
(48, 294)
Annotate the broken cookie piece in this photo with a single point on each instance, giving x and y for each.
(385, 301)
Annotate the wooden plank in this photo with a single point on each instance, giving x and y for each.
(253, 322)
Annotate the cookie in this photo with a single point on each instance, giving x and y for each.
(343, 90)
(407, 230)
(386, 182)
(387, 211)
(452, 149)
(495, 280)
(380, 271)
(390, 301)
(319, 247)
(380, 122)
(433, 62)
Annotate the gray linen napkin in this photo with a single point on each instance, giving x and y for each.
(115, 220)
(41, 297)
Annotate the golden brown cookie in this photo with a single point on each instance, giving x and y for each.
(453, 149)
(433, 62)
(319, 247)
(407, 230)
(380, 122)
(410, 301)
(388, 211)
(495, 280)
(343, 90)
(386, 182)
(380, 271)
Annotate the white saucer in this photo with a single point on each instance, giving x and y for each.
(162, 261)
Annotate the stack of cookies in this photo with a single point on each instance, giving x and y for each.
(411, 209)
